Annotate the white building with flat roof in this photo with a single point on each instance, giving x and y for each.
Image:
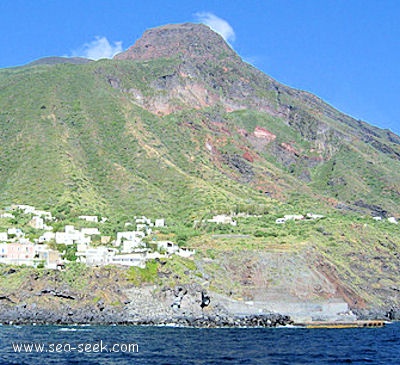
(159, 223)
(131, 259)
(71, 236)
(96, 256)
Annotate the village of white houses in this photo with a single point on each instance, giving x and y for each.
(49, 247)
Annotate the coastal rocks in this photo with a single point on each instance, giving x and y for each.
(28, 314)
(190, 305)
(179, 293)
(390, 314)
(218, 317)
(216, 321)
(56, 293)
(393, 314)
(6, 297)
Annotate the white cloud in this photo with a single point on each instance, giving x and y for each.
(217, 24)
(98, 48)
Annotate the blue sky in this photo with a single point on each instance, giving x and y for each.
(345, 51)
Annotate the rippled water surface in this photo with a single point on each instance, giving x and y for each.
(166, 345)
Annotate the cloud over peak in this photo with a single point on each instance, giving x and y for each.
(221, 26)
(99, 48)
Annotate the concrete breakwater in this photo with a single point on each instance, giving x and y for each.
(216, 321)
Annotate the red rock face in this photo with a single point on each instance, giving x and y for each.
(242, 132)
(288, 147)
(247, 156)
(260, 132)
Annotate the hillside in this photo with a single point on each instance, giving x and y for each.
(189, 122)
(179, 126)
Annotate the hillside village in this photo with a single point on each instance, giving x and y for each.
(128, 248)
(52, 248)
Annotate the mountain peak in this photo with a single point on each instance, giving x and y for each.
(187, 40)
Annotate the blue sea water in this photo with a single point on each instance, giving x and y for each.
(168, 345)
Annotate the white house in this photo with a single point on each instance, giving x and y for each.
(47, 237)
(159, 223)
(17, 232)
(82, 247)
(37, 222)
(222, 219)
(71, 236)
(69, 229)
(171, 248)
(143, 220)
(168, 247)
(294, 217)
(50, 258)
(132, 259)
(97, 256)
(185, 252)
(314, 216)
(7, 215)
(155, 255)
(42, 213)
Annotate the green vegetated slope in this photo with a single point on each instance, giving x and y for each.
(70, 140)
(76, 137)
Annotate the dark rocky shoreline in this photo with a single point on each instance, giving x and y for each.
(271, 320)
(26, 315)
(391, 314)
(20, 315)
(105, 297)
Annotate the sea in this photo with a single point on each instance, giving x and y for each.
(46, 345)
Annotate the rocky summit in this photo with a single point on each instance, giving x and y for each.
(290, 205)
(191, 42)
